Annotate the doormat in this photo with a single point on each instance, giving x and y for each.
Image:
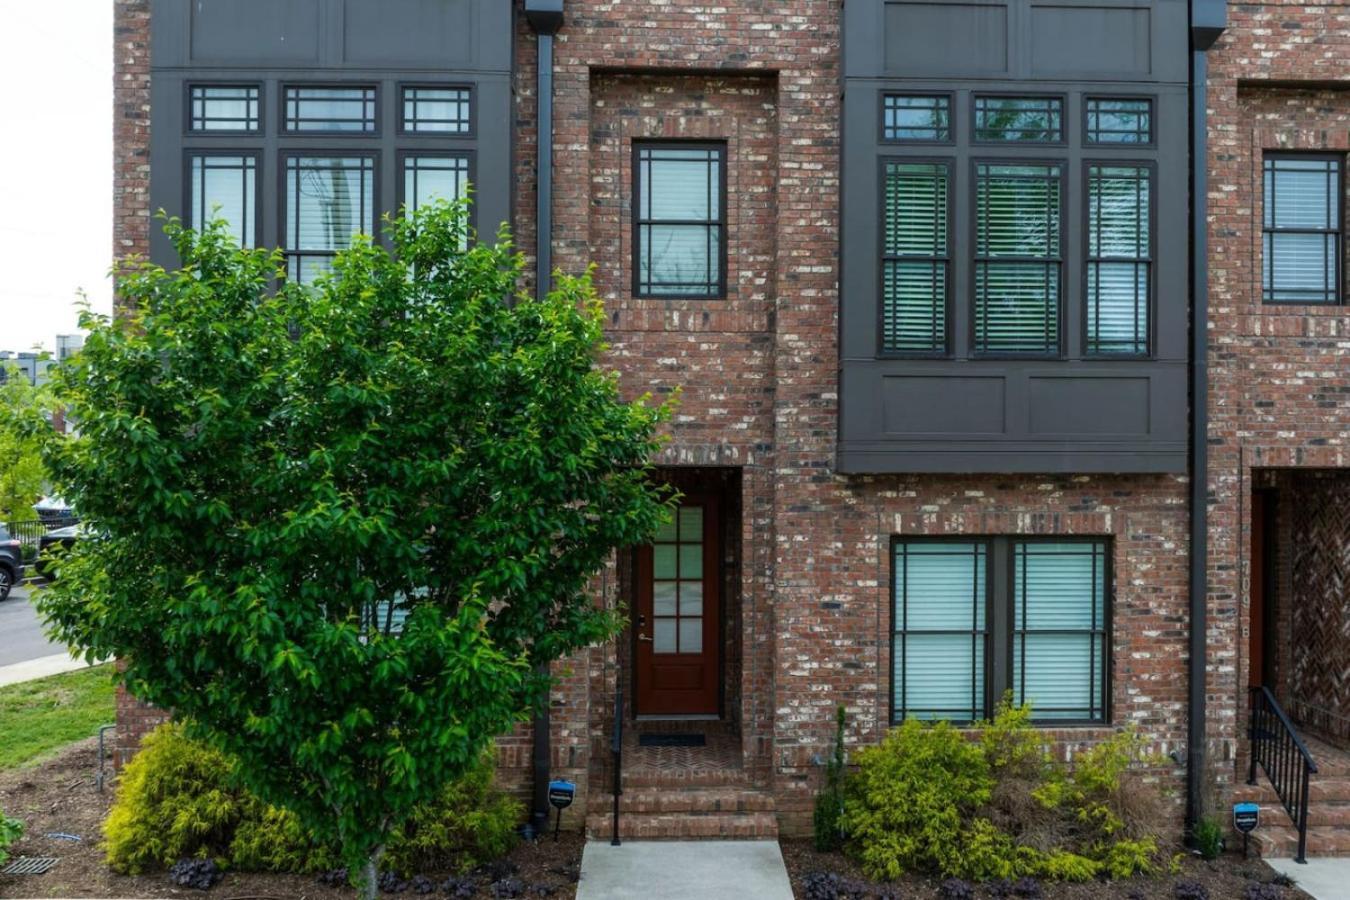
(672, 740)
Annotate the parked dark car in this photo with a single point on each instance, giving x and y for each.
(59, 537)
(11, 562)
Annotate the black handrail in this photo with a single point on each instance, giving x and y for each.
(616, 747)
(1284, 758)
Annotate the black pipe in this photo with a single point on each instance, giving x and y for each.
(545, 17)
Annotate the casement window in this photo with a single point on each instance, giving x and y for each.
(974, 619)
(224, 186)
(677, 586)
(1120, 259)
(1302, 229)
(679, 220)
(1018, 262)
(348, 110)
(329, 199)
(925, 118)
(232, 108)
(427, 177)
(1020, 120)
(437, 110)
(1119, 120)
(916, 257)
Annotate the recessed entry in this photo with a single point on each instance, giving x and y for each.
(958, 405)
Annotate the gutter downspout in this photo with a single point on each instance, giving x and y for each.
(545, 17)
(1208, 21)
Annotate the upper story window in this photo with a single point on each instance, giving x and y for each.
(1018, 262)
(1302, 229)
(329, 199)
(1023, 120)
(1120, 259)
(434, 176)
(916, 257)
(224, 186)
(679, 199)
(1119, 120)
(917, 117)
(224, 107)
(337, 109)
(973, 619)
(437, 110)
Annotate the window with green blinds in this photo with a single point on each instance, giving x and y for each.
(916, 258)
(1302, 230)
(1120, 259)
(1018, 258)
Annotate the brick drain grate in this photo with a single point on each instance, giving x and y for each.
(29, 865)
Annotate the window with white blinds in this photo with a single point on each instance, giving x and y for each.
(916, 263)
(1120, 259)
(680, 220)
(1018, 263)
(976, 619)
(329, 199)
(224, 186)
(1302, 229)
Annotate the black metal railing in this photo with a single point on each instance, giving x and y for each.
(616, 748)
(1284, 758)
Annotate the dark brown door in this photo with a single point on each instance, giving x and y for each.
(676, 623)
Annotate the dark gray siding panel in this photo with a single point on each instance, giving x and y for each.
(1057, 48)
(435, 33)
(255, 31)
(946, 38)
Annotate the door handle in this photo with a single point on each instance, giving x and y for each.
(643, 637)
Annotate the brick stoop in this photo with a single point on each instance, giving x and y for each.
(692, 807)
(1328, 812)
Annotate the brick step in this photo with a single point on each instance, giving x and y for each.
(1320, 790)
(1282, 842)
(682, 826)
(681, 779)
(1329, 765)
(686, 800)
(1319, 814)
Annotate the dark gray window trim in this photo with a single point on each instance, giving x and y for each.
(1107, 146)
(972, 260)
(283, 87)
(637, 221)
(1340, 236)
(953, 116)
(403, 155)
(259, 162)
(189, 131)
(1151, 166)
(283, 159)
(1000, 618)
(952, 258)
(1064, 114)
(402, 131)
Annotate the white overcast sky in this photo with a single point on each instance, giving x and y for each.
(55, 166)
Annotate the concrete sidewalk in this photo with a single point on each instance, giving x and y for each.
(32, 669)
(1324, 879)
(684, 870)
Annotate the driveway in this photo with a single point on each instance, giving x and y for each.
(21, 637)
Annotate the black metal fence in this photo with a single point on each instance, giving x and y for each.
(29, 533)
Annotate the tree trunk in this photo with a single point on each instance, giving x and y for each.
(370, 875)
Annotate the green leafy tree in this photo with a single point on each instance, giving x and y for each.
(23, 430)
(337, 530)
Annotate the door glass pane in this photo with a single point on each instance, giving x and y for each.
(666, 533)
(691, 560)
(663, 598)
(691, 598)
(691, 635)
(691, 524)
(663, 561)
(664, 636)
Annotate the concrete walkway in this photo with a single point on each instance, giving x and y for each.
(32, 669)
(684, 870)
(1324, 879)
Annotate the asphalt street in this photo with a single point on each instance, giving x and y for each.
(21, 637)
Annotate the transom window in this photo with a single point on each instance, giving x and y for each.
(224, 186)
(1119, 121)
(221, 107)
(437, 110)
(323, 108)
(1302, 229)
(1120, 259)
(1025, 120)
(916, 262)
(680, 220)
(677, 589)
(915, 117)
(974, 619)
(1018, 259)
(329, 199)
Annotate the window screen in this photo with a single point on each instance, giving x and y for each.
(436, 110)
(224, 108)
(328, 200)
(1302, 230)
(345, 109)
(1059, 629)
(224, 187)
(1119, 121)
(916, 257)
(1025, 120)
(940, 625)
(680, 222)
(917, 117)
(1119, 266)
(1017, 259)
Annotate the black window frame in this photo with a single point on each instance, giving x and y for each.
(1268, 258)
(1057, 97)
(949, 311)
(883, 100)
(400, 170)
(1150, 144)
(1151, 167)
(1000, 628)
(284, 89)
(189, 194)
(284, 158)
(189, 101)
(401, 122)
(720, 147)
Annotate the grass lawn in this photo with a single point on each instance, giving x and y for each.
(38, 717)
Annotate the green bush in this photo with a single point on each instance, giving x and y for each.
(10, 832)
(830, 802)
(177, 798)
(1209, 837)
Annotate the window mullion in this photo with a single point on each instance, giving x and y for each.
(999, 639)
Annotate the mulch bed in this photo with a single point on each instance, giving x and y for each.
(59, 797)
(1226, 878)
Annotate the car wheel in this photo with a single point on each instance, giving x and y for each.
(6, 582)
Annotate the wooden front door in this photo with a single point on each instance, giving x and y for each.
(677, 623)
